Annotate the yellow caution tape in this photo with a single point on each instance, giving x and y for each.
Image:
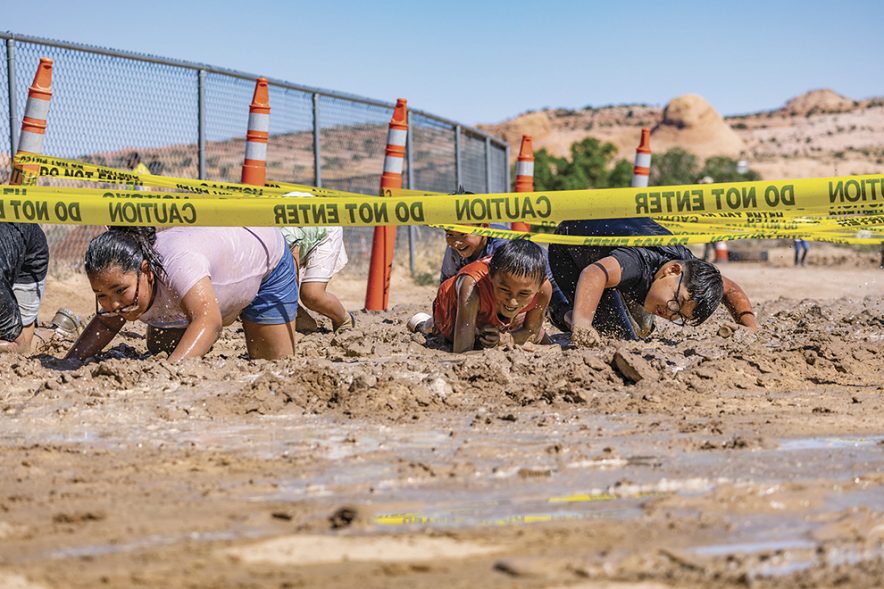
(53, 167)
(583, 498)
(399, 519)
(726, 211)
(132, 207)
(124, 207)
(679, 237)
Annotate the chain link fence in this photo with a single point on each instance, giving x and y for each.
(189, 120)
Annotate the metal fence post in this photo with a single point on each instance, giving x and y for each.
(10, 74)
(201, 122)
(317, 162)
(412, 230)
(458, 178)
(506, 167)
(488, 164)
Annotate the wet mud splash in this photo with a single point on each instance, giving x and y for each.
(709, 456)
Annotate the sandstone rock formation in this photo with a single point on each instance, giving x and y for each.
(818, 101)
(691, 123)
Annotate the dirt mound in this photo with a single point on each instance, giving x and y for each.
(691, 123)
(819, 101)
(379, 371)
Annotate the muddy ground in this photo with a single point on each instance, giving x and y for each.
(704, 457)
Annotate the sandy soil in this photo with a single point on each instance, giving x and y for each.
(703, 457)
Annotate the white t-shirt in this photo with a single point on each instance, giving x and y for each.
(236, 259)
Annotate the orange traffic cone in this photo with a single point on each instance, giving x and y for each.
(33, 125)
(377, 291)
(642, 168)
(254, 168)
(524, 175)
(720, 252)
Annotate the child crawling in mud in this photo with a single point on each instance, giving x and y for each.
(187, 283)
(619, 290)
(465, 248)
(506, 293)
(319, 254)
(24, 259)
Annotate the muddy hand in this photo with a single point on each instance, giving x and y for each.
(586, 338)
(488, 336)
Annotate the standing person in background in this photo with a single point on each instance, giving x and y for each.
(187, 283)
(801, 249)
(24, 261)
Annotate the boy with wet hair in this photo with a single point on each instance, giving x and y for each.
(465, 248)
(507, 293)
(663, 281)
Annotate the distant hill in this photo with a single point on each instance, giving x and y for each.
(820, 133)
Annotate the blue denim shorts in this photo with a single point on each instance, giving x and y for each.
(277, 299)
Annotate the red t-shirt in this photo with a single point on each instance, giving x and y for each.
(445, 305)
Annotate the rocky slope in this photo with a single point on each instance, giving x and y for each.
(820, 133)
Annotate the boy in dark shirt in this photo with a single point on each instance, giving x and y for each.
(24, 260)
(666, 281)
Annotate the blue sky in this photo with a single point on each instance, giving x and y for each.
(481, 62)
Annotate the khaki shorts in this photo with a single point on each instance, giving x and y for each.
(326, 259)
(29, 297)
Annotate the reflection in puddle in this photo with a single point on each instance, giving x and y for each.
(753, 547)
(459, 474)
(825, 443)
(505, 513)
(153, 541)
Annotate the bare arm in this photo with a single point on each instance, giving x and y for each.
(467, 311)
(531, 328)
(97, 334)
(737, 302)
(201, 308)
(593, 281)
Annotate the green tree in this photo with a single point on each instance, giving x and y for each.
(676, 166)
(590, 166)
(679, 166)
(724, 169)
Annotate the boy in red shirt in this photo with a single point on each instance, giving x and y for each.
(507, 293)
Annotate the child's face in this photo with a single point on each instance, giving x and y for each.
(513, 293)
(668, 297)
(465, 244)
(126, 294)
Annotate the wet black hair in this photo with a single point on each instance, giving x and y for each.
(704, 284)
(126, 247)
(519, 257)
